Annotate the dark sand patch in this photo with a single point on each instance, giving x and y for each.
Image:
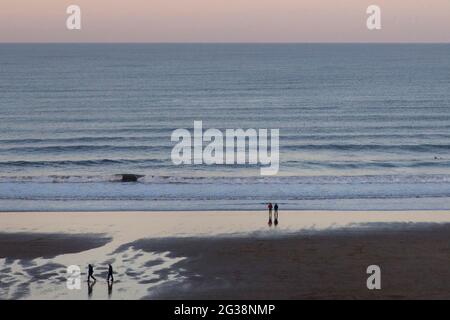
(414, 260)
(153, 263)
(37, 245)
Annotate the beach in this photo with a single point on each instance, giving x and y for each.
(226, 254)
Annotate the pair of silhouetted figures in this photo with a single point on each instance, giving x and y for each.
(274, 207)
(91, 273)
(109, 279)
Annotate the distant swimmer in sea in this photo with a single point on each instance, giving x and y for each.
(91, 273)
(269, 206)
(110, 273)
(276, 213)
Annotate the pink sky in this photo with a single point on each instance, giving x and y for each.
(225, 21)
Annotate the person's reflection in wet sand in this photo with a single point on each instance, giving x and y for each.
(91, 288)
(110, 289)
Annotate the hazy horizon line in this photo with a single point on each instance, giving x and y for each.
(227, 42)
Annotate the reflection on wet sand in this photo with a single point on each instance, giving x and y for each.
(110, 289)
(90, 285)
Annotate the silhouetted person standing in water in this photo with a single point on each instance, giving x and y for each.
(110, 273)
(270, 213)
(91, 273)
(276, 213)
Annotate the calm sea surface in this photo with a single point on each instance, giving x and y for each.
(361, 126)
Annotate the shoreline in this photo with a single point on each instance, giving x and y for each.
(234, 211)
(132, 225)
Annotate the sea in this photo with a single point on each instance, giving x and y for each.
(362, 126)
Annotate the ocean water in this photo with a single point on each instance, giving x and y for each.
(362, 126)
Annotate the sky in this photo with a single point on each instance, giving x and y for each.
(225, 21)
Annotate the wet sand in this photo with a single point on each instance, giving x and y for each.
(414, 261)
(26, 259)
(47, 245)
(227, 255)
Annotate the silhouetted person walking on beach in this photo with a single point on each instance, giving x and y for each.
(110, 273)
(276, 213)
(91, 273)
